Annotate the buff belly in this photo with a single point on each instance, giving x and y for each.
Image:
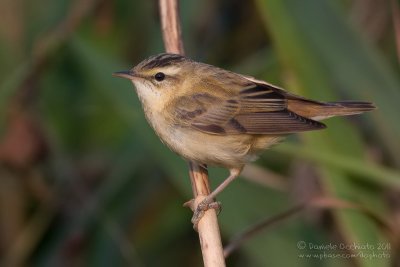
(219, 150)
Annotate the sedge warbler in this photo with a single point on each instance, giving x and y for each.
(213, 116)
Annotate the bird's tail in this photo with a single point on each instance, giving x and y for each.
(322, 110)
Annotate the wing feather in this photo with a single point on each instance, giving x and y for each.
(256, 109)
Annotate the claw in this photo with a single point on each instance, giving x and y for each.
(216, 205)
(203, 206)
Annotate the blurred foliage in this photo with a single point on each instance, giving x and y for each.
(84, 181)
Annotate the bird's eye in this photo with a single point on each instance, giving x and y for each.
(159, 76)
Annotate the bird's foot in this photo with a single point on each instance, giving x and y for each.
(202, 207)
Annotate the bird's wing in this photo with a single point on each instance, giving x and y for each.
(255, 109)
(205, 112)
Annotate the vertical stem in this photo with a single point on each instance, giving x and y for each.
(209, 234)
(171, 26)
(210, 237)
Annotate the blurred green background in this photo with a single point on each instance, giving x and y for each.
(84, 181)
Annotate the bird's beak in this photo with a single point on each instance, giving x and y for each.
(127, 74)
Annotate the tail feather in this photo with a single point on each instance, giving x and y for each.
(320, 110)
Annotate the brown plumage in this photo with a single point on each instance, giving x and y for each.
(323, 110)
(214, 116)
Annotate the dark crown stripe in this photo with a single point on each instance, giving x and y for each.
(162, 60)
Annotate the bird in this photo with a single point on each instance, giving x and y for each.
(212, 116)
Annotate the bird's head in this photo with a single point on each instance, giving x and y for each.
(158, 76)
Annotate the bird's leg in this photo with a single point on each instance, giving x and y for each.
(209, 201)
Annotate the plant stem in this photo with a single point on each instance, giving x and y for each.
(210, 238)
(208, 229)
(171, 26)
